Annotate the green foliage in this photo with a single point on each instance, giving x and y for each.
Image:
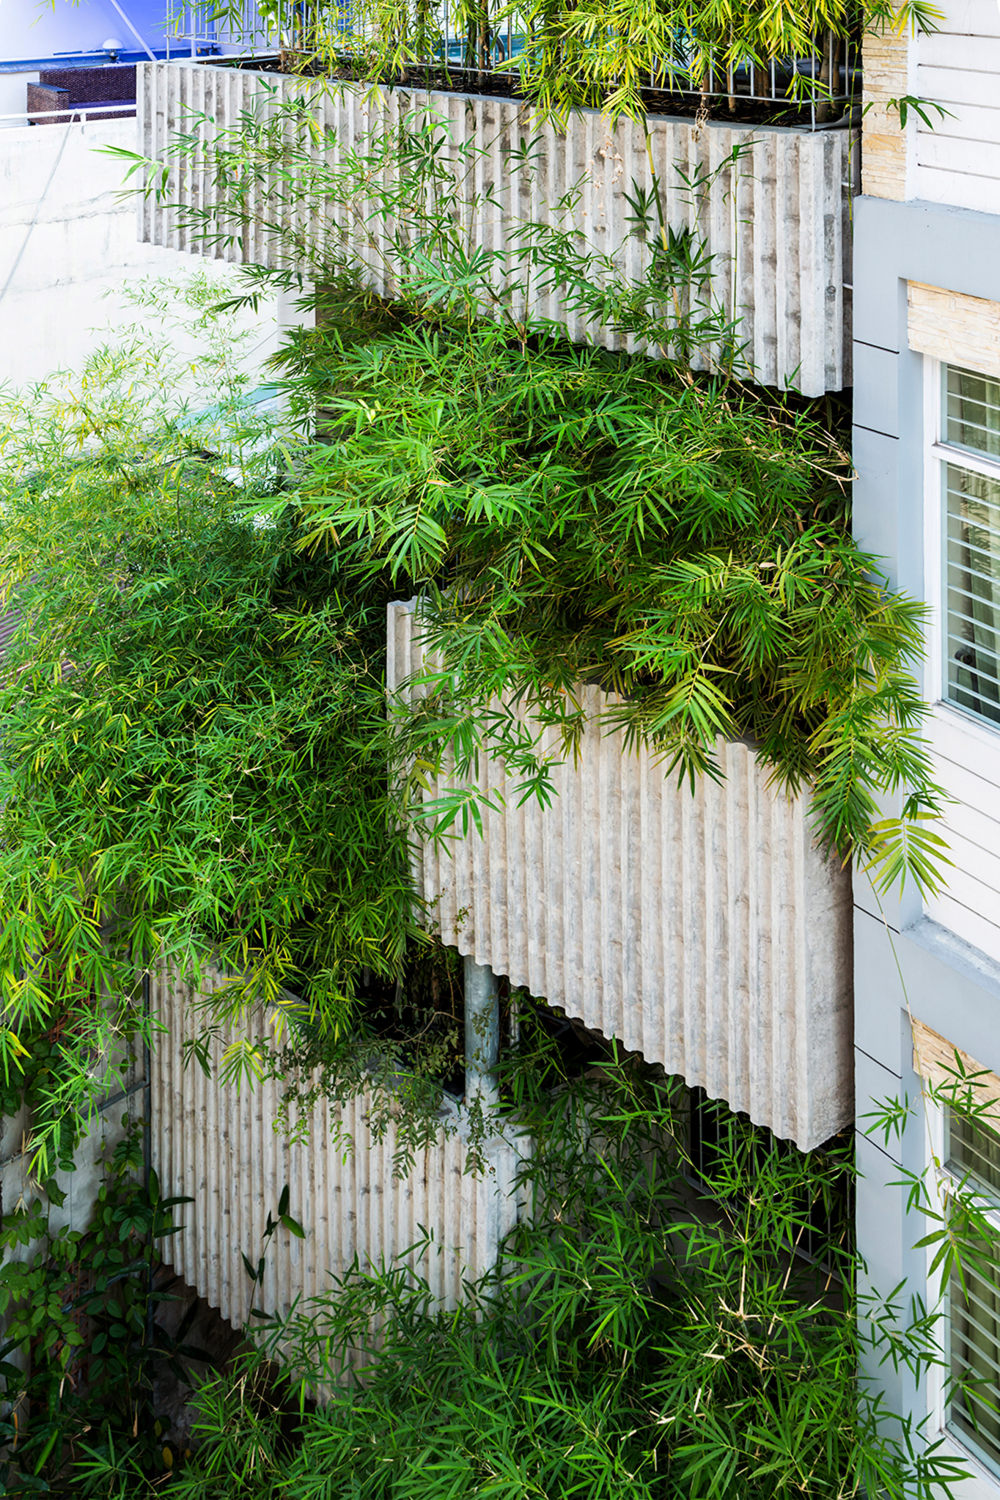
(653, 1331)
(196, 753)
(79, 1343)
(193, 722)
(572, 515)
(33, 1084)
(602, 53)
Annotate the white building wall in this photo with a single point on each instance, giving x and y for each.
(956, 158)
(927, 293)
(68, 249)
(966, 764)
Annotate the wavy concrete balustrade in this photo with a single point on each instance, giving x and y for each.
(218, 1146)
(704, 930)
(773, 208)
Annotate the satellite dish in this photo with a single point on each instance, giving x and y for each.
(113, 46)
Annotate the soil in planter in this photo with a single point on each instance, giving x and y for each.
(736, 109)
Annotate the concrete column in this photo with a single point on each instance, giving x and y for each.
(482, 1033)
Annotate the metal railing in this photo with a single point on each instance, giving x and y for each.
(443, 46)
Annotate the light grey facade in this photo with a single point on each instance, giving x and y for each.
(909, 963)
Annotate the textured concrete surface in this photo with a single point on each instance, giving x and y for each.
(218, 1145)
(771, 206)
(704, 930)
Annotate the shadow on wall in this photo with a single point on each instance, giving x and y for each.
(69, 252)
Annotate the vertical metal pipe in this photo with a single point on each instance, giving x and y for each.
(482, 1032)
(147, 1144)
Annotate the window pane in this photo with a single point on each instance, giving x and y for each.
(972, 411)
(974, 1357)
(974, 1150)
(972, 580)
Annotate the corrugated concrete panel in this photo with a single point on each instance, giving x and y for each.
(771, 206)
(8, 624)
(219, 1146)
(704, 930)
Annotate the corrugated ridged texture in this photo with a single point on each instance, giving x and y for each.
(8, 624)
(218, 1146)
(704, 930)
(775, 218)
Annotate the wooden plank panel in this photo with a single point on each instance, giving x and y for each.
(883, 154)
(968, 122)
(967, 18)
(970, 790)
(951, 86)
(973, 860)
(967, 922)
(965, 743)
(958, 329)
(965, 821)
(975, 54)
(934, 1059)
(942, 185)
(960, 155)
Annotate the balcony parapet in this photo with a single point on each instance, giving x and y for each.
(225, 1149)
(705, 930)
(770, 205)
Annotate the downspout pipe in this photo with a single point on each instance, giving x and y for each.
(482, 1034)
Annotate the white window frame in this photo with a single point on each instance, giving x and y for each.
(939, 454)
(955, 737)
(984, 1482)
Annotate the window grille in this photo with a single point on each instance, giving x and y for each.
(973, 1156)
(971, 427)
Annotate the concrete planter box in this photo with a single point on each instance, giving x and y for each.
(704, 930)
(218, 1145)
(775, 216)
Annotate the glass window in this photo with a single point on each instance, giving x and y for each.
(972, 545)
(974, 1307)
(974, 1152)
(974, 1357)
(972, 412)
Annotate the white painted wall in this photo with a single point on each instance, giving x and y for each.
(957, 159)
(966, 763)
(13, 96)
(68, 249)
